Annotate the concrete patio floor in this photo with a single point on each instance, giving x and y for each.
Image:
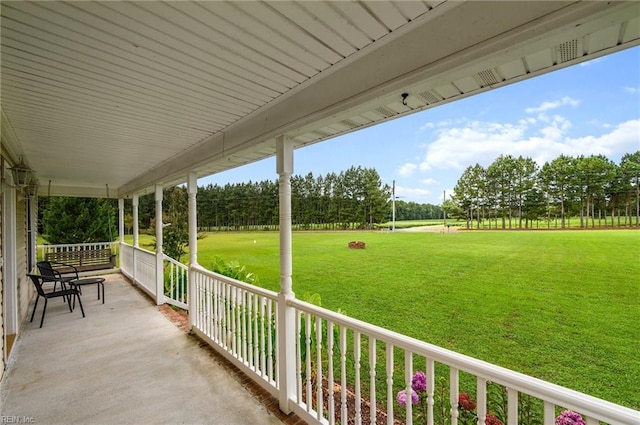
(124, 363)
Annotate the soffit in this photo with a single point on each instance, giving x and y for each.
(131, 94)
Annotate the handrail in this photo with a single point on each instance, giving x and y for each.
(591, 406)
(237, 283)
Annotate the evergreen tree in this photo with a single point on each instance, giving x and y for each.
(79, 220)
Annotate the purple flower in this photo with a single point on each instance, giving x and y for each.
(419, 382)
(402, 397)
(568, 417)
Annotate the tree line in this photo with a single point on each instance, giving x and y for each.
(352, 199)
(514, 192)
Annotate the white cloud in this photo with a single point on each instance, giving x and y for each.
(431, 125)
(483, 142)
(591, 62)
(457, 148)
(412, 193)
(545, 106)
(429, 181)
(426, 126)
(631, 90)
(407, 169)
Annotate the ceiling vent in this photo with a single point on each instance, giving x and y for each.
(385, 112)
(349, 124)
(320, 133)
(429, 97)
(488, 78)
(567, 51)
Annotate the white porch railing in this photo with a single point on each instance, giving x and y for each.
(361, 365)
(176, 282)
(139, 265)
(71, 247)
(143, 273)
(240, 321)
(126, 260)
(145, 270)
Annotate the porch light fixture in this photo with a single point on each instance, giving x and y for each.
(31, 190)
(21, 174)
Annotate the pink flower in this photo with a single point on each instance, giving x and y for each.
(419, 382)
(568, 417)
(466, 402)
(402, 397)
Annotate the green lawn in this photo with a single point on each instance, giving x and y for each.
(562, 306)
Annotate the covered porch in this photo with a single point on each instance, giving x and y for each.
(126, 362)
(122, 99)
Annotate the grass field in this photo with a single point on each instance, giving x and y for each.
(562, 306)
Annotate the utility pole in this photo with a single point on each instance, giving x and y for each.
(393, 207)
(444, 212)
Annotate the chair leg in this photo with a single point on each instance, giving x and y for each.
(34, 307)
(79, 302)
(44, 310)
(68, 298)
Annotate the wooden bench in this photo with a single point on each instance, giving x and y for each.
(86, 260)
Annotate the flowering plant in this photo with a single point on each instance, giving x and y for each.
(466, 404)
(568, 417)
(418, 389)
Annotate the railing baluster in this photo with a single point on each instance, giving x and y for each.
(590, 421)
(298, 357)
(308, 355)
(431, 385)
(453, 394)
(372, 381)
(249, 320)
(357, 348)
(389, 371)
(270, 338)
(343, 377)
(242, 310)
(263, 347)
(256, 332)
(319, 401)
(208, 324)
(238, 323)
(481, 395)
(216, 310)
(230, 336)
(549, 413)
(408, 374)
(332, 401)
(512, 407)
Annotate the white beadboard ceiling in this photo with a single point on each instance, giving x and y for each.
(132, 94)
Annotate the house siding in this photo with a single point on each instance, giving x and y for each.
(25, 291)
(2, 364)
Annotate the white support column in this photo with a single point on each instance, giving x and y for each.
(159, 251)
(286, 314)
(121, 219)
(135, 221)
(134, 264)
(192, 189)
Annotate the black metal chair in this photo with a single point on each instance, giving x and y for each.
(51, 273)
(66, 293)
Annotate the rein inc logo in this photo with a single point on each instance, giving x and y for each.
(17, 420)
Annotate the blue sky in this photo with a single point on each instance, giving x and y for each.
(591, 108)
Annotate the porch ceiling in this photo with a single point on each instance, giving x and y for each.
(130, 94)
